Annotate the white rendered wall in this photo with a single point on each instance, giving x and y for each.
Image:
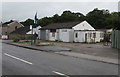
(83, 26)
(51, 38)
(65, 36)
(98, 38)
(81, 36)
(47, 34)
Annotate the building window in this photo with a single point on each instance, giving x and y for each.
(64, 30)
(76, 35)
(90, 35)
(5, 33)
(94, 35)
(52, 30)
(53, 34)
(101, 35)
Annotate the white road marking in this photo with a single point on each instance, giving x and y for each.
(18, 59)
(60, 73)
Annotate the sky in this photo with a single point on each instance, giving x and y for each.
(20, 10)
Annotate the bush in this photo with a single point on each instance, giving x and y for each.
(27, 41)
(102, 40)
(16, 39)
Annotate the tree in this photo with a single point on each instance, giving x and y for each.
(97, 18)
(68, 16)
(115, 20)
(44, 21)
(55, 18)
(28, 22)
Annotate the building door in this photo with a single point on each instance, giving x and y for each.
(85, 37)
(57, 34)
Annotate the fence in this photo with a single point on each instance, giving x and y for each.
(116, 39)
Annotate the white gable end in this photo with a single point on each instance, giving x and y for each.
(37, 30)
(83, 26)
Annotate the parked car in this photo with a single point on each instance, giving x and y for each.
(4, 37)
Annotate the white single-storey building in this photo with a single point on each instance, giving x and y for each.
(71, 32)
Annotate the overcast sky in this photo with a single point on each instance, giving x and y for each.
(23, 10)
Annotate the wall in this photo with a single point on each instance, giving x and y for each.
(11, 26)
(98, 38)
(69, 35)
(4, 30)
(66, 35)
(42, 34)
(8, 28)
(51, 37)
(89, 38)
(80, 36)
(47, 34)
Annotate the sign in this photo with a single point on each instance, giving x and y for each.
(30, 27)
(34, 29)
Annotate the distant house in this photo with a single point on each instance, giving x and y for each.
(21, 33)
(36, 30)
(9, 27)
(31, 32)
(70, 32)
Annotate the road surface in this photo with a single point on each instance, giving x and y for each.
(21, 61)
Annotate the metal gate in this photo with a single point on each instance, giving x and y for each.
(116, 39)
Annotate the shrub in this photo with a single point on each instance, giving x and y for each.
(102, 40)
(27, 41)
(16, 39)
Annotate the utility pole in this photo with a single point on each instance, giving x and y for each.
(31, 28)
(35, 25)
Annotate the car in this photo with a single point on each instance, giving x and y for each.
(4, 37)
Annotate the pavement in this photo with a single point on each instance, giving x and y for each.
(22, 61)
(41, 48)
(109, 57)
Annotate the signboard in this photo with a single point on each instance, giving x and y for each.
(34, 29)
(30, 27)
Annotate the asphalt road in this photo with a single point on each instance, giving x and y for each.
(21, 61)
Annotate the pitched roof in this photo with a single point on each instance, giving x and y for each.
(11, 23)
(67, 25)
(6, 23)
(14, 23)
(21, 30)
